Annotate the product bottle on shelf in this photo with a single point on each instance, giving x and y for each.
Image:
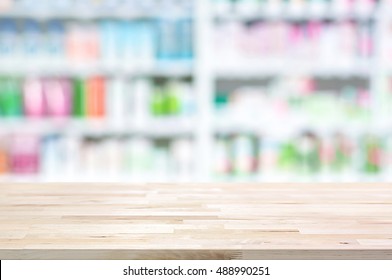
(10, 97)
(4, 165)
(288, 158)
(55, 42)
(373, 154)
(222, 162)
(181, 151)
(24, 155)
(117, 101)
(96, 97)
(51, 153)
(172, 104)
(9, 44)
(157, 102)
(342, 153)
(33, 98)
(309, 153)
(32, 42)
(58, 97)
(79, 104)
(244, 154)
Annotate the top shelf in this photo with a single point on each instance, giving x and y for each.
(305, 16)
(90, 14)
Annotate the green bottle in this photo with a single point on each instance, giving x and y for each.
(342, 152)
(79, 100)
(373, 154)
(172, 99)
(10, 97)
(156, 102)
(288, 157)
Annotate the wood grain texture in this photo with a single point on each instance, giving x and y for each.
(119, 221)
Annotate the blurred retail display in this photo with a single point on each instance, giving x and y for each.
(115, 100)
(195, 90)
(311, 43)
(65, 157)
(308, 155)
(140, 43)
(294, 7)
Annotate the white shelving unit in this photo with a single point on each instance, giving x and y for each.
(205, 73)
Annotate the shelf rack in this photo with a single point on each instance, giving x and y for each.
(204, 74)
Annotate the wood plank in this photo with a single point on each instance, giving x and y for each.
(202, 221)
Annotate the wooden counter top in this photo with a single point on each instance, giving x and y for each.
(264, 221)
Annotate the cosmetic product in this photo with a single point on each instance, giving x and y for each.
(171, 99)
(268, 156)
(139, 156)
(167, 50)
(373, 154)
(9, 43)
(188, 100)
(95, 97)
(24, 154)
(33, 98)
(58, 97)
(185, 39)
(10, 97)
(4, 164)
(181, 151)
(117, 101)
(109, 41)
(55, 42)
(32, 41)
(51, 153)
(243, 154)
(79, 103)
(222, 161)
(157, 101)
(141, 98)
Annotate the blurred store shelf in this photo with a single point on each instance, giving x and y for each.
(173, 70)
(281, 68)
(166, 127)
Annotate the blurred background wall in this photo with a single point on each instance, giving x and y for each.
(195, 90)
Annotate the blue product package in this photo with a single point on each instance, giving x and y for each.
(147, 42)
(55, 44)
(123, 39)
(32, 39)
(8, 38)
(131, 35)
(167, 41)
(108, 39)
(52, 154)
(185, 38)
(124, 43)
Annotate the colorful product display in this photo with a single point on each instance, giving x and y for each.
(299, 89)
(95, 98)
(295, 7)
(129, 156)
(306, 155)
(116, 6)
(136, 43)
(299, 99)
(318, 43)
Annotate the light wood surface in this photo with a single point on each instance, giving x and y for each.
(202, 221)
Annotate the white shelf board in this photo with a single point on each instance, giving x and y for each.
(287, 127)
(87, 14)
(292, 16)
(87, 69)
(259, 69)
(169, 127)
